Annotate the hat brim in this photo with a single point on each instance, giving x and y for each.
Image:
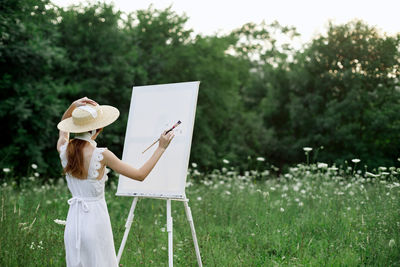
(110, 114)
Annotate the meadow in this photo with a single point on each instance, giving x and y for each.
(312, 215)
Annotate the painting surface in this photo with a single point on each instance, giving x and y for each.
(153, 109)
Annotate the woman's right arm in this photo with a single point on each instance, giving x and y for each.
(140, 174)
(64, 136)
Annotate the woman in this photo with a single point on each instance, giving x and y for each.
(88, 237)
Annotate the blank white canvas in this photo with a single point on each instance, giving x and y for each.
(153, 109)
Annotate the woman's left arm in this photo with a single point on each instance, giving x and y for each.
(64, 136)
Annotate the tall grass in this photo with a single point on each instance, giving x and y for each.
(311, 216)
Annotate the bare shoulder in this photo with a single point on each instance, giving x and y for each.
(61, 142)
(109, 157)
(108, 153)
(63, 138)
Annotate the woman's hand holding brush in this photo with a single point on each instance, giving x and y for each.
(165, 139)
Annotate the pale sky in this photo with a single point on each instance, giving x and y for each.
(310, 17)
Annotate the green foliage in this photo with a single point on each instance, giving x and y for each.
(100, 62)
(29, 88)
(344, 95)
(258, 96)
(311, 216)
(341, 93)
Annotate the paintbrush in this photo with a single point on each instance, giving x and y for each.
(173, 127)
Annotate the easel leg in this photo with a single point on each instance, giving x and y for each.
(190, 219)
(169, 230)
(128, 225)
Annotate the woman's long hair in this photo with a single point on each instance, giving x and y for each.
(76, 166)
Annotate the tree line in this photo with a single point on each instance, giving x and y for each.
(259, 97)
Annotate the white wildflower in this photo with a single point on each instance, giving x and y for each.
(307, 149)
(225, 161)
(163, 229)
(392, 243)
(351, 193)
(36, 174)
(302, 191)
(301, 204)
(282, 209)
(163, 248)
(61, 222)
(194, 165)
(382, 168)
(355, 160)
(333, 168)
(199, 198)
(265, 173)
(6, 170)
(34, 166)
(227, 192)
(371, 174)
(260, 159)
(322, 165)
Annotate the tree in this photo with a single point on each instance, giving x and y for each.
(344, 95)
(29, 93)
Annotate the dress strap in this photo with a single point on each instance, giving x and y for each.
(95, 164)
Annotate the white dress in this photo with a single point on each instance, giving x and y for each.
(88, 235)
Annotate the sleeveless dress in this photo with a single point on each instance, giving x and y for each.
(88, 235)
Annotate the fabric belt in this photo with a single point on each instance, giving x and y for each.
(82, 206)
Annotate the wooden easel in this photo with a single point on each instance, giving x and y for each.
(189, 217)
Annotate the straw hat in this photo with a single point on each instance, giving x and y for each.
(89, 117)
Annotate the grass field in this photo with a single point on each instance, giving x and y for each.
(311, 216)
